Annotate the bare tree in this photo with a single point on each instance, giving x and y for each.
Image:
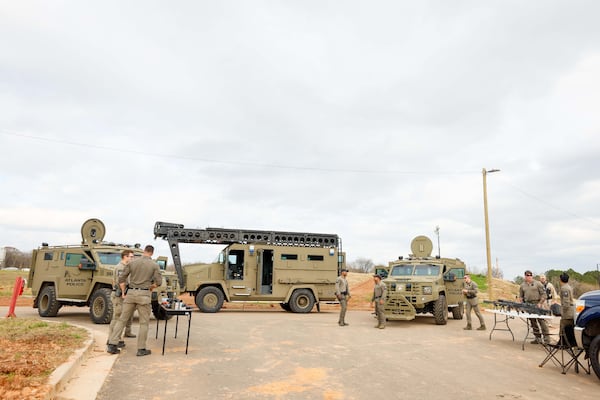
(361, 264)
(16, 258)
(497, 272)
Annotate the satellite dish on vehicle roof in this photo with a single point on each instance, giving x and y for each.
(421, 246)
(92, 231)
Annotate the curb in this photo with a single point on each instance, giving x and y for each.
(65, 371)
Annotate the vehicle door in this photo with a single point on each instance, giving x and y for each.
(453, 280)
(76, 281)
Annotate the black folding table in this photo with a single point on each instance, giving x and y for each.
(170, 312)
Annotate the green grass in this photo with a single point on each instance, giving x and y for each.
(481, 281)
(7, 282)
(12, 329)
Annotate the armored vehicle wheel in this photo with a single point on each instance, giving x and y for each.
(210, 299)
(302, 301)
(457, 312)
(158, 312)
(48, 305)
(594, 353)
(101, 307)
(440, 310)
(285, 306)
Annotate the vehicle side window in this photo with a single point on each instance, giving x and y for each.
(73, 260)
(315, 258)
(454, 273)
(289, 256)
(48, 256)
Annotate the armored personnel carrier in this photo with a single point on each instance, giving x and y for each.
(294, 269)
(82, 275)
(423, 284)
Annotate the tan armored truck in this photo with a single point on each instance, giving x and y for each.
(295, 269)
(423, 284)
(81, 275)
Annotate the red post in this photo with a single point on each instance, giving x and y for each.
(17, 291)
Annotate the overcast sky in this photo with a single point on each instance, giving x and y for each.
(372, 120)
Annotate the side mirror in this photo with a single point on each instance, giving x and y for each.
(450, 277)
(86, 265)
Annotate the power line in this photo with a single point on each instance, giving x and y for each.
(550, 205)
(229, 162)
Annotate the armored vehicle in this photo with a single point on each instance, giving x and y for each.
(295, 269)
(423, 284)
(82, 275)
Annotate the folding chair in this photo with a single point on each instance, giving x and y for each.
(565, 353)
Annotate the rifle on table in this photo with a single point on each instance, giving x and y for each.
(506, 305)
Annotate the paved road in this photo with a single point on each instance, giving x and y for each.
(279, 355)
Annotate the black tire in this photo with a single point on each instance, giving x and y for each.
(101, 306)
(457, 312)
(158, 312)
(440, 310)
(594, 353)
(210, 299)
(302, 301)
(285, 306)
(48, 305)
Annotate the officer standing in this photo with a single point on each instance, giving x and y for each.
(342, 292)
(567, 303)
(117, 298)
(550, 291)
(144, 275)
(470, 290)
(378, 300)
(533, 292)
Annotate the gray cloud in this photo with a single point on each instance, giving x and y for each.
(370, 121)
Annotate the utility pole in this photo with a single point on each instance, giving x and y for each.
(487, 232)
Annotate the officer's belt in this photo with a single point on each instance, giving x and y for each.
(138, 288)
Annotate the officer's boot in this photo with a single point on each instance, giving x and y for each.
(468, 327)
(481, 328)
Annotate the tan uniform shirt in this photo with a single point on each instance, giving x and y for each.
(567, 303)
(379, 292)
(142, 273)
(341, 286)
(533, 292)
(472, 291)
(117, 273)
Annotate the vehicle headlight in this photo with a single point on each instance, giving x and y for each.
(427, 290)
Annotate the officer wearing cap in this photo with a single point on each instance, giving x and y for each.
(470, 291)
(342, 292)
(378, 300)
(533, 292)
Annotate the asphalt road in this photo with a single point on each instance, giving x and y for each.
(272, 354)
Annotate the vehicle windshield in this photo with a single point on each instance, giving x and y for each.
(418, 270)
(109, 258)
(427, 270)
(402, 270)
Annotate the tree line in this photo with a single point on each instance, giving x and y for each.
(16, 258)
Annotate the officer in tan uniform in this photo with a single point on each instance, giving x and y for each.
(144, 275)
(378, 300)
(117, 298)
(342, 292)
(470, 291)
(533, 292)
(567, 303)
